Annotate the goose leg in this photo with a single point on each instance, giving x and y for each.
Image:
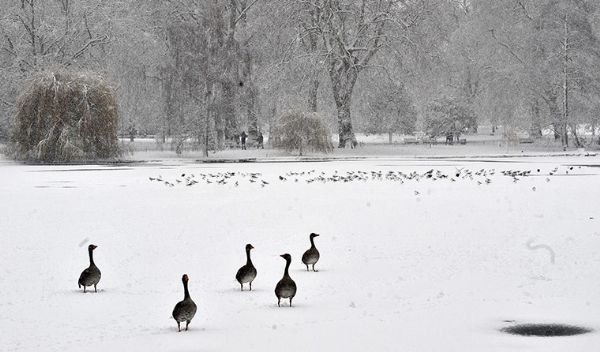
(187, 323)
(242, 287)
(314, 268)
(250, 285)
(306, 267)
(291, 301)
(178, 327)
(278, 302)
(95, 290)
(83, 288)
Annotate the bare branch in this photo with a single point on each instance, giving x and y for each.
(244, 10)
(507, 47)
(90, 43)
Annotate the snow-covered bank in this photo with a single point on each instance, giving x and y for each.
(149, 150)
(413, 266)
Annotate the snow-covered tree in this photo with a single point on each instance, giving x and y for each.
(63, 116)
(298, 131)
(448, 117)
(388, 109)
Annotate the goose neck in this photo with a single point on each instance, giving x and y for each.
(287, 267)
(91, 253)
(186, 292)
(248, 260)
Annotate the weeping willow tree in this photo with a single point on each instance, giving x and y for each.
(297, 131)
(65, 116)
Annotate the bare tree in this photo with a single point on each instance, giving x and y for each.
(352, 33)
(36, 35)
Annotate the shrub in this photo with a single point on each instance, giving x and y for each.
(298, 131)
(447, 116)
(64, 116)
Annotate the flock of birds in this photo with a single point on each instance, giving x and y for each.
(480, 176)
(185, 310)
(219, 178)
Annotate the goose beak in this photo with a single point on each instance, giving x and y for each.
(282, 256)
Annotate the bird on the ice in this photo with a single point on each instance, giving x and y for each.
(185, 310)
(311, 256)
(91, 275)
(247, 273)
(286, 287)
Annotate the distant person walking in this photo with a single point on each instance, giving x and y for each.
(260, 139)
(243, 136)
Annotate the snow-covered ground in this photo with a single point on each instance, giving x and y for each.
(414, 266)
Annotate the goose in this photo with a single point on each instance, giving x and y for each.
(286, 287)
(311, 256)
(247, 273)
(91, 275)
(186, 309)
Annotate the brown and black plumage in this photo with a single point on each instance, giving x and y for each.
(286, 287)
(91, 275)
(247, 273)
(311, 256)
(186, 309)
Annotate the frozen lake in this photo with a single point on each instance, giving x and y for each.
(408, 263)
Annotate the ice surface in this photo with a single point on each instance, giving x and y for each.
(441, 270)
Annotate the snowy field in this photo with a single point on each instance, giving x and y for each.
(406, 265)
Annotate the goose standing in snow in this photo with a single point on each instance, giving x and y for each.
(286, 287)
(311, 256)
(247, 273)
(186, 309)
(91, 275)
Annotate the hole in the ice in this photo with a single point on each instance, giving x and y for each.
(546, 330)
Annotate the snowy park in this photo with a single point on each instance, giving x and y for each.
(285, 175)
(416, 255)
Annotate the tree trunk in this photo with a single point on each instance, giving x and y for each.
(576, 139)
(565, 122)
(273, 119)
(343, 80)
(251, 112)
(208, 104)
(250, 95)
(536, 126)
(313, 91)
(345, 132)
(228, 126)
(555, 114)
